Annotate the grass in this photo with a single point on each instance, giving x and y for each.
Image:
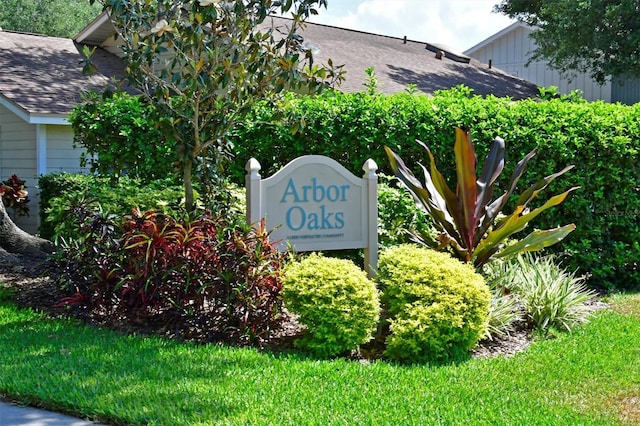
(590, 377)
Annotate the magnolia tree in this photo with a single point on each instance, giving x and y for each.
(205, 63)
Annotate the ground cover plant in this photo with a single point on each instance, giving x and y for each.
(589, 377)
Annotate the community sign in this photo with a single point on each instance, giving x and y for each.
(314, 203)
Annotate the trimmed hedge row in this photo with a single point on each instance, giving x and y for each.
(122, 135)
(601, 139)
(61, 192)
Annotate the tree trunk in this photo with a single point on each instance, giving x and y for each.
(188, 185)
(15, 240)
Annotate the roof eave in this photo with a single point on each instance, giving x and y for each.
(87, 34)
(499, 34)
(34, 118)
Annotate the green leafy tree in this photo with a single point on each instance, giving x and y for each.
(205, 63)
(59, 18)
(599, 37)
(119, 135)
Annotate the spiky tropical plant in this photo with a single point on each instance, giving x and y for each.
(470, 222)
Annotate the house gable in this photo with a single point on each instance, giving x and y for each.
(42, 76)
(510, 49)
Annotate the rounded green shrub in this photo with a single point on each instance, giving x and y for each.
(335, 300)
(437, 306)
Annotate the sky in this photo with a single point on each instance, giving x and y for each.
(460, 24)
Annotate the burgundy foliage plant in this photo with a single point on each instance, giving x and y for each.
(201, 279)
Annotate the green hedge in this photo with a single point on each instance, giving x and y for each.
(60, 191)
(601, 139)
(122, 135)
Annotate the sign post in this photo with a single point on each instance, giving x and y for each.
(314, 203)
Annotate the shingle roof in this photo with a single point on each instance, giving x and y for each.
(43, 75)
(398, 63)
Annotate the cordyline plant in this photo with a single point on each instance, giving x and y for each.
(470, 221)
(204, 63)
(205, 279)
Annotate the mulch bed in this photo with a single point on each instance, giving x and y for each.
(32, 288)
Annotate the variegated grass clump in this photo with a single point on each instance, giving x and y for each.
(549, 296)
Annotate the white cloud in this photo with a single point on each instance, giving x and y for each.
(458, 23)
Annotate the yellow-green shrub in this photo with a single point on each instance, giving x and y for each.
(335, 300)
(437, 306)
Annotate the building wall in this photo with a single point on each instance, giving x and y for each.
(626, 91)
(510, 53)
(17, 146)
(61, 156)
(18, 156)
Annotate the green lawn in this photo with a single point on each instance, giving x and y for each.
(591, 377)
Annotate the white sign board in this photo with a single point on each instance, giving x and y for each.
(314, 203)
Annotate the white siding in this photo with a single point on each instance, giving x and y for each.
(511, 54)
(61, 156)
(18, 156)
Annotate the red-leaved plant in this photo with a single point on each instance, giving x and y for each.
(201, 279)
(14, 195)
